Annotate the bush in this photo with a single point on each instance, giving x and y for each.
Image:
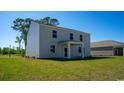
(5, 50)
(23, 52)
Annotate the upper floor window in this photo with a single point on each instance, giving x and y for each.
(71, 36)
(81, 38)
(54, 34)
(52, 48)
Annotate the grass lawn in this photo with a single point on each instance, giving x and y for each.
(96, 68)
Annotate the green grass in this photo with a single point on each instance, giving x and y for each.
(96, 68)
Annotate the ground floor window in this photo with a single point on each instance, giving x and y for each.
(52, 48)
(79, 49)
(65, 52)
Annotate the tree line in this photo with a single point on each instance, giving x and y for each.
(8, 50)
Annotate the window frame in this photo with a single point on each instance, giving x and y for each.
(81, 37)
(52, 48)
(71, 36)
(54, 34)
(79, 50)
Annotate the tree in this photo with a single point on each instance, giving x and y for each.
(39, 21)
(5, 50)
(19, 40)
(22, 25)
(0, 51)
(54, 22)
(48, 21)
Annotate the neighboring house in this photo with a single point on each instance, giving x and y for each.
(107, 48)
(45, 41)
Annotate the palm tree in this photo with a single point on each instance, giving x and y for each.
(19, 40)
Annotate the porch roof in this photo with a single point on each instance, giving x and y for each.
(71, 42)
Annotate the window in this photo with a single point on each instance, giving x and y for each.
(54, 33)
(71, 36)
(65, 52)
(79, 50)
(52, 48)
(81, 38)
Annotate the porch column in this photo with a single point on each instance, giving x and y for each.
(82, 50)
(69, 52)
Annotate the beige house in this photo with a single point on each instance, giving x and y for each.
(107, 48)
(45, 41)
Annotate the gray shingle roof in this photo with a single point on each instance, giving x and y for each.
(64, 28)
(106, 43)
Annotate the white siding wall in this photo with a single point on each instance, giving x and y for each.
(40, 39)
(33, 41)
(46, 40)
(87, 45)
(102, 53)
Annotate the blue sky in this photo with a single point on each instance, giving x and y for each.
(101, 25)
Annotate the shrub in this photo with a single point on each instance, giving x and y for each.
(5, 50)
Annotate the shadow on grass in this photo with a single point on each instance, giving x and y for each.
(78, 59)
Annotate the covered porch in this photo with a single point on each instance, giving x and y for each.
(69, 50)
(118, 51)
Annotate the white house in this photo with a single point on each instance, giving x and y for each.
(45, 41)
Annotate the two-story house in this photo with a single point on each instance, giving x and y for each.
(45, 41)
